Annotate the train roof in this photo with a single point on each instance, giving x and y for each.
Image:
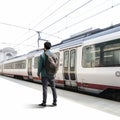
(16, 57)
(98, 31)
(84, 36)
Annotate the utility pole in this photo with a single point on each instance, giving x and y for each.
(39, 38)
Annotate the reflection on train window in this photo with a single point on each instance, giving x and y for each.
(66, 63)
(16, 65)
(9, 66)
(102, 55)
(20, 64)
(112, 54)
(72, 59)
(66, 59)
(72, 64)
(91, 56)
(36, 62)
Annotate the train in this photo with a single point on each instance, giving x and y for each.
(88, 61)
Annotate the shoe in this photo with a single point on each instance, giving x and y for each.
(54, 104)
(42, 104)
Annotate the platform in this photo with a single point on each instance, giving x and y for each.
(19, 101)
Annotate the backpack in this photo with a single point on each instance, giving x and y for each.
(51, 64)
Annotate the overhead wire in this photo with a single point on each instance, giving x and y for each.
(39, 23)
(25, 28)
(26, 40)
(67, 15)
(11, 44)
(31, 29)
(59, 20)
(17, 26)
(21, 27)
(52, 13)
(77, 22)
(93, 8)
(43, 12)
(98, 13)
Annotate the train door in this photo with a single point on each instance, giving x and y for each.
(30, 68)
(69, 67)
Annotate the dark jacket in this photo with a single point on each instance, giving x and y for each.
(41, 65)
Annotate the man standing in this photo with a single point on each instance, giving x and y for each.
(45, 77)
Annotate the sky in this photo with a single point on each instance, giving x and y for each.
(56, 20)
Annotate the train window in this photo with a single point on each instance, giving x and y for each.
(91, 56)
(112, 54)
(9, 66)
(23, 64)
(5, 66)
(102, 55)
(72, 59)
(72, 64)
(12, 65)
(20, 64)
(66, 59)
(36, 62)
(66, 63)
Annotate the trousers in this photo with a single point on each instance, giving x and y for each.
(51, 81)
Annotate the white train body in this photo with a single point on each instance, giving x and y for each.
(15, 67)
(86, 62)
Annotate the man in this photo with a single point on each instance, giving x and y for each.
(45, 77)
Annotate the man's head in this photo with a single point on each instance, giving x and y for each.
(47, 45)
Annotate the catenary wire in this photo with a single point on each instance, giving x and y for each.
(45, 11)
(8, 24)
(52, 13)
(25, 40)
(67, 15)
(12, 25)
(34, 30)
(98, 13)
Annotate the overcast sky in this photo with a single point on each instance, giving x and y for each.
(55, 19)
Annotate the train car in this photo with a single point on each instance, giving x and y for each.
(16, 67)
(88, 62)
(91, 61)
